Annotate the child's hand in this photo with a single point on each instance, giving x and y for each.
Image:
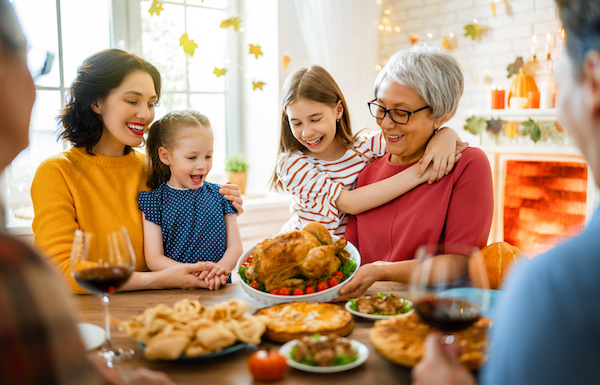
(442, 152)
(215, 283)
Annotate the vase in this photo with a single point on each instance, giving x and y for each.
(239, 178)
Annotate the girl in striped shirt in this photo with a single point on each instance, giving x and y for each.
(319, 158)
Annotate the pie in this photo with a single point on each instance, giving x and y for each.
(401, 338)
(288, 321)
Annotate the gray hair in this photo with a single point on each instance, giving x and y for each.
(432, 73)
(10, 30)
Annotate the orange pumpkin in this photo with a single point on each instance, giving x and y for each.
(498, 258)
(521, 85)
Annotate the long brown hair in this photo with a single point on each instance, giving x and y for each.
(316, 84)
(164, 133)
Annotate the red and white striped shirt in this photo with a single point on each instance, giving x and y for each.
(316, 184)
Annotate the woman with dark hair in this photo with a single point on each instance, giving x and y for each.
(39, 340)
(94, 185)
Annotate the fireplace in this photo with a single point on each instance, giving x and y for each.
(542, 199)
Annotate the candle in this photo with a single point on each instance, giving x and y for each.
(533, 46)
(498, 95)
(533, 99)
(548, 46)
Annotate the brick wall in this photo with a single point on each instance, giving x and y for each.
(503, 37)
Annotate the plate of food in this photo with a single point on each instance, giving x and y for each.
(333, 354)
(306, 265)
(191, 331)
(291, 320)
(223, 352)
(93, 336)
(380, 306)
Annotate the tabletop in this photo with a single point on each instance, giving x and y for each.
(233, 368)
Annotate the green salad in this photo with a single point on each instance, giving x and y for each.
(400, 305)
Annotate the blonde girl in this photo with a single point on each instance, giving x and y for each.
(319, 158)
(186, 220)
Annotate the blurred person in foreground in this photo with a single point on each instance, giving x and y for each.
(39, 340)
(548, 323)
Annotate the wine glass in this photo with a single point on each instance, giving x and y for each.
(449, 287)
(101, 263)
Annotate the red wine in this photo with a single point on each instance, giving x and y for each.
(448, 314)
(103, 279)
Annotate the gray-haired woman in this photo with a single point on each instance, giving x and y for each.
(416, 92)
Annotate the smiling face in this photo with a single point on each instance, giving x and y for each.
(190, 159)
(405, 142)
(126, 113)
(313, 124)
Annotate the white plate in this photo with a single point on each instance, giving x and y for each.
(93, 336)
(363, 354)
(320, 296)
(372, 316)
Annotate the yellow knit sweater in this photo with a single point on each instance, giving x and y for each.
(75, 190)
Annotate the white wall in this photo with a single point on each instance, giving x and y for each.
(504, 37)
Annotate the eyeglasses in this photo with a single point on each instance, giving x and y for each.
(39, 62)
(397, 115)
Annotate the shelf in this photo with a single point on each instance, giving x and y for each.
(541, 114)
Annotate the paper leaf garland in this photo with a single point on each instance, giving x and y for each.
(511, 129)
(219, 71)
(494, 126)
(189, 46)
(513, 68)
(532, 130)
(286, 61)
(475, 125)
(493, 5)
(255, 50)
(258, 85)
(472, 30)
(232, 22)
(155, 8)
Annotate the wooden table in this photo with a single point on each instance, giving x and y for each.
(233, 369)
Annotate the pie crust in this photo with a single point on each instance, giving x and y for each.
(288, 321)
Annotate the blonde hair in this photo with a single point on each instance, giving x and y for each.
(165, 132)
(316, 84)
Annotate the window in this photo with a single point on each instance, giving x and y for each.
(75, 29)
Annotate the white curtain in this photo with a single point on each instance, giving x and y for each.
(342, 37)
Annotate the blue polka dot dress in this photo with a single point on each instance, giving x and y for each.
(192, 221)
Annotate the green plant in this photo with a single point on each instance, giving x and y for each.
(236, 163)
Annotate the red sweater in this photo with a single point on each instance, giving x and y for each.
(458, 209)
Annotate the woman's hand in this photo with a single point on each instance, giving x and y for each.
(443, 150)
(365, 276)
(440, 365)
(232, 193)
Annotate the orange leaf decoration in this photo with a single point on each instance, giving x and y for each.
(286, 61)
(413, 38)
(255, 50)
(258, 85)
(232, 22)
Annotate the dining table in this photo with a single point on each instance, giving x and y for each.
(233, 368)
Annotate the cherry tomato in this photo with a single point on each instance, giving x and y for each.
(339, 274)
(274, 291)
(297, 291)
(284, 290)
(267, 365)
(255, 284)
(322, 286)
(309, 290)
(333, 281)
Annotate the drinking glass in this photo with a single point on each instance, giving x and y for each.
(449, 287)
(101, 263)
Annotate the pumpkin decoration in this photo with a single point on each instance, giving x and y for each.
(521, 85)
(498, 258)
